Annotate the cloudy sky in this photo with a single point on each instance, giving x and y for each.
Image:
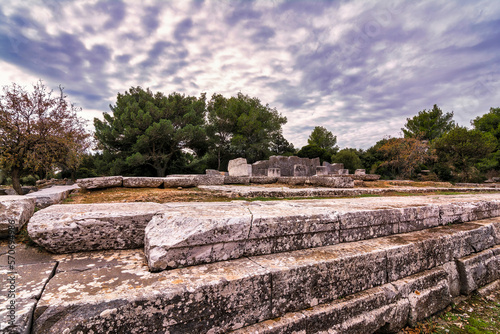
(358, 68)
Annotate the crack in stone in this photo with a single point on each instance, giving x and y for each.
(37, 298)
(251, 223)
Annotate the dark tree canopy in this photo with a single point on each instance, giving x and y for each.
(39, 131)
(349, 158)
(461, 149)
(489, 122)
(428, 125)
(242, 126)
(150, 129)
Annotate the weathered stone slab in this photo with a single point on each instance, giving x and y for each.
(53, 195)
(20, 290)
(15, 211)
(263, 179)
(453, 278)
(143, 182)
(127, 298)
(321, 170)
(100, 182)
(78, 227)
(236, 180)
(238, 167)
(360, 172)
(208, 180)
(300, 170)
(331, 182)
(479, 269)
(180, 181)
(428, 292)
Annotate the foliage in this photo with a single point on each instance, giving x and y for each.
(148, 130)
(322, 138)
(38, 131)
(350, 158)
(461, 149)
(242, 126)
(489, 122)
(428, 125)
(314, 151)
(404, 155)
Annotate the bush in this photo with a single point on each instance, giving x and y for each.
(29, 180)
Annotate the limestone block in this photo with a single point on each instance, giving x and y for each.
(306, 278)
(321, 170)
(259, 168)
(212, 172)
(143, 182)
(53, 195)
(100, 182)
(236, 179)
(427, 292)
(419, 218)
(238, 167)
(79, 227)
(360, 172)
(331, 182)
(208, 180)
(27, 283)
(180, 181)
(479, 269)
(453, 278)
(343, 171)
(273, 172)
(263, 179)
(293, 180)
(15, 211)
(126, 298)
(299, 170)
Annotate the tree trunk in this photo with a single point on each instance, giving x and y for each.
(16, 180)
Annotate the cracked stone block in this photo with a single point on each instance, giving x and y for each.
(15, 211)
(479, 269)
(263, 179)
(26, 284)
(428, 292)
(80, 227)
(127, 298)
(419, 218)
(238, 167)
(331, 182)
(236, 180)
(453, 278)
(179, 181)
(100, 182)
(53, 195)
(143, 182)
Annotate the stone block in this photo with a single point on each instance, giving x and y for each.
(143, 182)
(263, 179)
(299, 170)
(80, 227)
(453, 278)
(15, 211)
(236, 180)
(100, 182)
(273, 172)
(331, 182)
(209, 180)
(479, 269)
(427, 292)
(212, 172)
(321, 170)
(293, 180)
(343, 171)
(53, 195)
(180, 181)
(126, 298)
(259, 168)
(238, 167)
(360, 172)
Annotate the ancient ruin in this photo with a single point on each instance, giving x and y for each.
(347, 265)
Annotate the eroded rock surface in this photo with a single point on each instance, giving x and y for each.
(53, 195)
(79, 227)
(143, 182)
(15, 211)
(100, 182)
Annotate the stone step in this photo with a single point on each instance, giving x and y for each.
(397, 279)
(190, 235)
(15, 211)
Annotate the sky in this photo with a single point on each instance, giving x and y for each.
(357, 68)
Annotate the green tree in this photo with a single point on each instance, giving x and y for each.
(323, 138)
(151, 129)
(428, 125)
(349, 158)
(311, 152)
(489, 122)
(462, 149)
(242, 126)
(39, 130)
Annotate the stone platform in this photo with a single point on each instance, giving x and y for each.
(387, 262)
